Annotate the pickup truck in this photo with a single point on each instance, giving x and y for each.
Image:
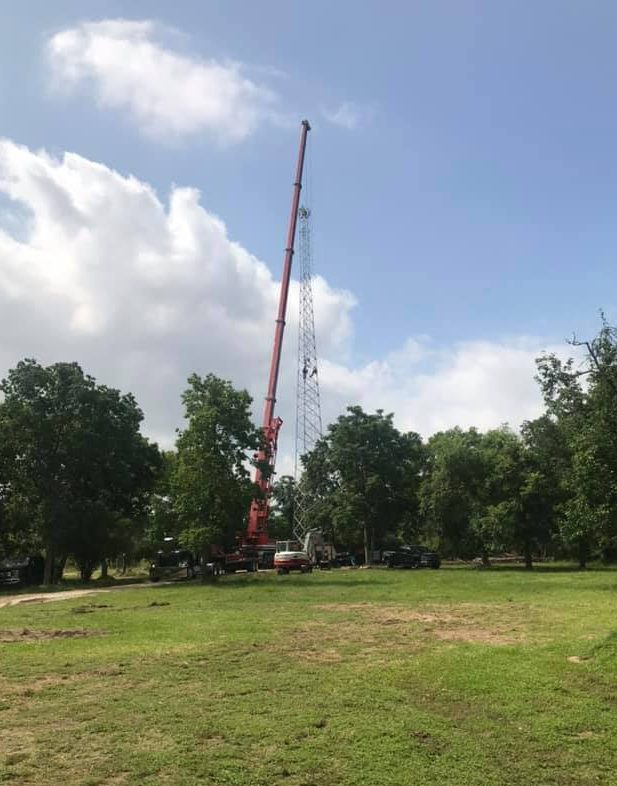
(412, 557)
(173, 565)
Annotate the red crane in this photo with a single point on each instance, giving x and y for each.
(257, 530)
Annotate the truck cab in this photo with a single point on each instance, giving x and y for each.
(173, 565)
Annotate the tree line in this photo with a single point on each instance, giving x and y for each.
(546, 491)
(79, 481)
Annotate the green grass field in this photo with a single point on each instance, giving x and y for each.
(359, 677)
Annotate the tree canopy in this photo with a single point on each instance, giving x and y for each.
(362, 472)
(77, 471)
(546, 490)
(210, 483)
(582, 402)
(79, 480)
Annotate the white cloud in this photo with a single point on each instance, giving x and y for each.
(140, 292)
(429, 388)
(169, 94)
(95, 267)
(347, 115)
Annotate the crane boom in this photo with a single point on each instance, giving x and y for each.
(257, 530)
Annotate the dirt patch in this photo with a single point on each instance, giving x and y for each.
(38, 684)
(346, 606)
(465, 622)
(395, 617)
(116, 780)
(390, 615)
(42, 683)
(26, 634)
(326, 642)
(585, 735)
(319, 656)
(107, 671)
(213, 739)
(90, 608)
(16, 758)
(578, 658)
(470, 635)
(16, 739)
(153, 741)
(427, 741)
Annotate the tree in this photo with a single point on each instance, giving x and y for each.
(319, 485)
(490, 492)
(516, 500)
(17, 533)
(211, 485)
(414, 469)
(451, 492)
(162, 519)
(77, 465)
(281, 520)
(587, 415)
(359, 471)
(549, 458)
(5, 530)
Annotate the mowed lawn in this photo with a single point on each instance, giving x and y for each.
(373, 677)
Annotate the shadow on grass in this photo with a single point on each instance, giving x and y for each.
(285, 582)
(250, 581)
(547, 568)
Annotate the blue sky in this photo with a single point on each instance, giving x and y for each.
(471, 201)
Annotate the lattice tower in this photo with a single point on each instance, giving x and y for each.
(308, 405)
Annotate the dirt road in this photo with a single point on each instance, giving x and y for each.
(49, 597)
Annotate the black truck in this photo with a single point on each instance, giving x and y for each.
(22, 571)
(173, 565)
(412, 557)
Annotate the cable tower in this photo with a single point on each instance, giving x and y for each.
(308, 405)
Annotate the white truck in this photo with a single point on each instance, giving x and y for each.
(292, 555)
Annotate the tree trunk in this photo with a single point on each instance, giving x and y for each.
(367, 553)
(104, 569)
(124, 565)
(48, 573)
(528, 556)
(59, 569)
(486, 563)
(583, 554)
(206, 578)
(86, 570)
